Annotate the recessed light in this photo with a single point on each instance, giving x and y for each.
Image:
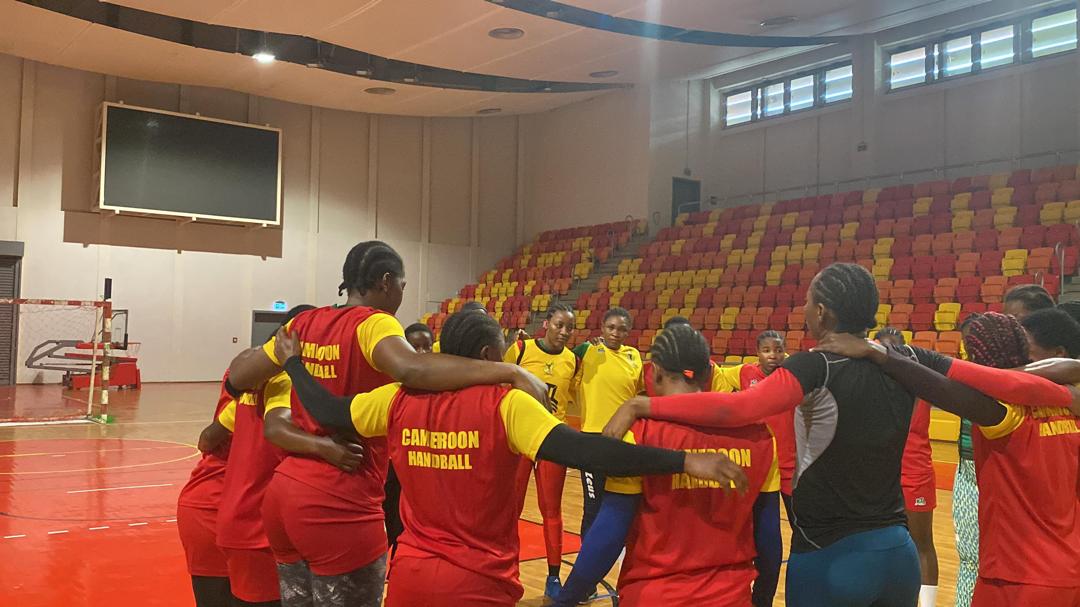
(489, 110)
(380, 90)
(263, 57)
(604, 74)
(778, 21)
(363, 72)
(411, 79)
(506, 33)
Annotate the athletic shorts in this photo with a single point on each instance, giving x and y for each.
(920, 495)
(722, 587)
(999, 593)
(434, 582)
(253, 574)
(198, 535)
(305, 524)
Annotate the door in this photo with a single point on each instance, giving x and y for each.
(9, 286)
(685, 196)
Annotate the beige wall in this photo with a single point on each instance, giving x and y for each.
(588, 162)
(441, 191)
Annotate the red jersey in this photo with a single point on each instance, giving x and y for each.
(203, 489)
(918, 462)
(252, 461)
(332, 354)
(1028, 470)
(781, 424)
(713, 537)
(453, 447)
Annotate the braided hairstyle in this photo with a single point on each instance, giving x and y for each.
(558, 307)
(677, 320)
(617, 311)
(849, 292)
(767, 335)
(466, 334)
(366, 264)
(682, 350)
(473, 306)
(1029, 297)
(1072, 308)
(997, 340)
(1053, 328)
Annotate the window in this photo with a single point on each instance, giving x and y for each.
(1024, 38)
(956, 56)
(907, 68)
(996, 47)
(801, 91)
(739, 108)
(838, 84)
(1053, 34)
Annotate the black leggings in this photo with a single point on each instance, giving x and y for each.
(211, 591)
(592, 488)
(392, 508)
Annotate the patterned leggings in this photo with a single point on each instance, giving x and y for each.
(966, 520)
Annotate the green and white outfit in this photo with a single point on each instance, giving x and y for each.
(965, 513)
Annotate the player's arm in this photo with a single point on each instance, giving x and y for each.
(251, 368)
(1060, 371)
(533, 432)
(219, 430)
(600, 547)
(778, 392)
(366, 413)
(278, 428)
(966, 389)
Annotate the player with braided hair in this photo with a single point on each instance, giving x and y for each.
(331, 518)
(553, 363)
(849, 452)
(713, 379)
(707, 557)
(455, 451)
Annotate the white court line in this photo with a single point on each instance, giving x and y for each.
(172, 520)
(58, 532)
(137, 524)
(119, 488)
(98, 528)
(11, 537)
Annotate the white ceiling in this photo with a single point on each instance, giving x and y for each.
(443, 33)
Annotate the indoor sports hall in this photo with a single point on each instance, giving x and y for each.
(697, 192)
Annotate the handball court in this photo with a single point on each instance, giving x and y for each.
(88, 512)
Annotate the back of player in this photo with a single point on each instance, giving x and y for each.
(197, 508)
(692, 541)
(314, 511)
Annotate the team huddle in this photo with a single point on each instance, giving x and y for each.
(348, 456)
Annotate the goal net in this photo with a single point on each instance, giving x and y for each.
(53, 357)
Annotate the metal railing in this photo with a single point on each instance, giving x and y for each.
(952, 171)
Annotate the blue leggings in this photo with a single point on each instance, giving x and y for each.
(878, 568)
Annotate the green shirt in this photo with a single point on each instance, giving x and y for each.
(964, 442)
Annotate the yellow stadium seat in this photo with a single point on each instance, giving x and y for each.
(812, 252)
(788, 220)
(727, 319)
(708, 229)
(882, 268)
(663, 299)
(848, 231)
(754, 239)
(732, 360)
(1001, 197)
(680, 219)
(962, 220)
(760, 224)
(795, 254)
(870, 195)
(772, 277)
(799, 235)
(779, 254)
(748, 256)
(1014, 262)
(883, 247)
(960, 202)
(998, 180)
(1052, 213)
(1004, 217)
(922, 206)
(882, 316)
(677, 246)
(1072, 211)
(714, 278)
(701, 278)
(946, 315)
(686, 280)
(750, 360)
(734, 257)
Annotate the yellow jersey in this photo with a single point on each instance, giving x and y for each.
(606, 379)
(555, 370)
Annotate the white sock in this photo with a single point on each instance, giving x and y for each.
(927, 596)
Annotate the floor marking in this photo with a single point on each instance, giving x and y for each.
(11, 537)
(58, 532)
(172, 520)
(65, 453)
(97, 528)
(119, 488)
(137, 524)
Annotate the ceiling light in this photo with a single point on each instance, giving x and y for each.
(778, 21)
(380, 90)
(506, 33)
(263, 57)
(604, 74)
(411, 79)
(363, 72)
(489, 110)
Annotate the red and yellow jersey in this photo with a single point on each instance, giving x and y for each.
(336, 347)
(716, 381)
(917, 467)
(740, 377)
(1028, 469)
(555, 370)
(203, 489)
(606, 379)
(456, 455)
(252, 460)
(689, 531)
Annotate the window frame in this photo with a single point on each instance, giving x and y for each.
(935, 53)
(758, 96)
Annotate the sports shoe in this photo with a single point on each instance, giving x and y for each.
(552, 587)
